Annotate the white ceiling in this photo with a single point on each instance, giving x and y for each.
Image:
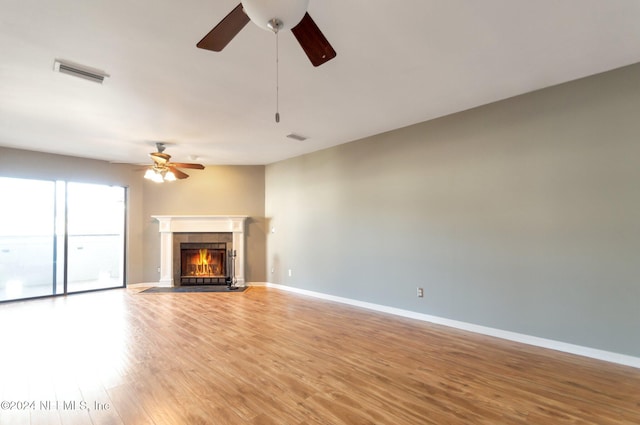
(398, 63)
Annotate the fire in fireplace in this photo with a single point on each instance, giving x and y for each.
(203, 263)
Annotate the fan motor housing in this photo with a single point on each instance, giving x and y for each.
(287, 12)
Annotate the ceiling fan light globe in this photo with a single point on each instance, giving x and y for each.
(169, 176)
(149, 174)
(289, 12)
(157, 178)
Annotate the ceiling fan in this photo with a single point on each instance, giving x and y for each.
(163, 170)
(273, 15)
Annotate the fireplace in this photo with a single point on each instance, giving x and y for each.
(204, 263)
(221, 238)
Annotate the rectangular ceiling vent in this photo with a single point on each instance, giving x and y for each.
(80, 71)
(297, 137)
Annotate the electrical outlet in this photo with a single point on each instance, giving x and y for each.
(420, 292)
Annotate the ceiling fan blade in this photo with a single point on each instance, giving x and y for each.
(188, 165)
(313, 42)
(226, 29)
(179, 174)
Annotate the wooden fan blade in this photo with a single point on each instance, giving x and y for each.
(313, 42)
(188, 165)
(226, 29)
(179, 174)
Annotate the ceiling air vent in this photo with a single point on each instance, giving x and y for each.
(295, 136)
(80, 71)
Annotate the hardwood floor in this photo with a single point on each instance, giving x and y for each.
(270, 357)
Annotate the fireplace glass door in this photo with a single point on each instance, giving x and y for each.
(203, 263)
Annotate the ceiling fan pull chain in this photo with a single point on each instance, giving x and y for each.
(277, 82)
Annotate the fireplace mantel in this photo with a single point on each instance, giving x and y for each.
(170, 224)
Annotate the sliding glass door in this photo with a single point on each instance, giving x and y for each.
(95, 231)
(59, 237)
(27, 238)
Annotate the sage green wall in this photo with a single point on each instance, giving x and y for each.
(522, 215)
(37, 165)
(216, 190)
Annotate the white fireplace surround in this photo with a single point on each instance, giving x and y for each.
(170, 224)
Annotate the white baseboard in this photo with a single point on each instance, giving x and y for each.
(593, 353)
(142, 284)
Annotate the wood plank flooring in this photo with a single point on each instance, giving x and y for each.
(270, 357)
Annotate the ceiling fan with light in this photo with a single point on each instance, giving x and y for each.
(163, 170)
(272, 15)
